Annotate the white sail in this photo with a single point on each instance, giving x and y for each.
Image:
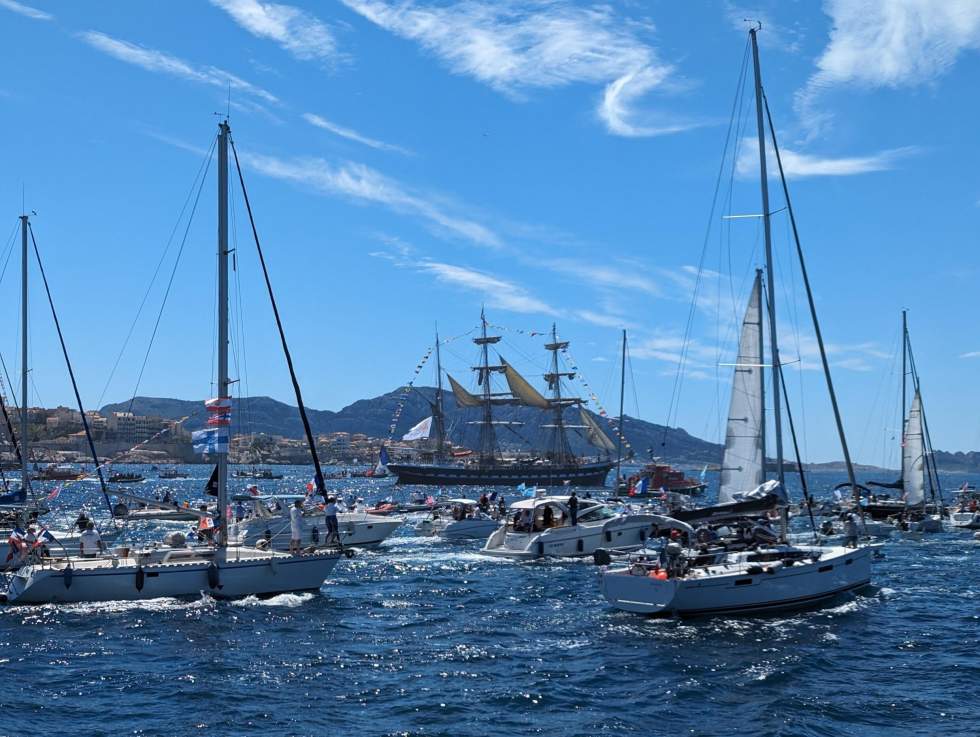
(594, 433)
(742, 466)
(421, 431)
(913, 460)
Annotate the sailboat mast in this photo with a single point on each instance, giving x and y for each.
(560, 450)
(488, 440)
(223, 380)
(25, 476)
(622, 396)
(770, 286)
(439, 417)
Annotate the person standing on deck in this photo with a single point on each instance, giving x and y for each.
(850, 531)
(330, 517)
(573, 507)
(295, 526)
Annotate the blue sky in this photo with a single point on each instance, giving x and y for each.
(411, 161)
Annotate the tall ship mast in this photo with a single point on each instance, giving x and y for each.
(557, 465)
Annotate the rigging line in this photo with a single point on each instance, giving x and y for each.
(139, 311)
(170, 283)
(321, 485)
(71, 373)
(678, 378)
(10, 251)
(242, 323)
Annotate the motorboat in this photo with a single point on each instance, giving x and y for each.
(458, 519)
(59, 472)
(542, 527)
(965, 514)
(125, 478)
(172, 473)
(267, 518)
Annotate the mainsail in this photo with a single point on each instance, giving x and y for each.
(463, 397)
(421, 431)
(520, 388)
(913, 474)
(594, 433)
(742, 466)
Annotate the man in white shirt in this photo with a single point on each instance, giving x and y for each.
(295, 526)
(90, 543)
(330, 517)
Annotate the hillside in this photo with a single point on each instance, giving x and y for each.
(373, 417)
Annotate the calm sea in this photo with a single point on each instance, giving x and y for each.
(424, 637)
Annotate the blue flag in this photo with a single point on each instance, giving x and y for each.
(210, 440)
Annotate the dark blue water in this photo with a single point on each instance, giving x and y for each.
(424, 637)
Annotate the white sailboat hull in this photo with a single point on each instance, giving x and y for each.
(839, 570)
(357, 529)
(624, 533)
(929, 523)
(466, 529)
(245, 573)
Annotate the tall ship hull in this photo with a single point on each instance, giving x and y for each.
(579, 474)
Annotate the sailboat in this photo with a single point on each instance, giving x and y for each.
(226, 570)
(765, 572)
(557, 467)
(913, 512)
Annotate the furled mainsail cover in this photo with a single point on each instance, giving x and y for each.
(520, 388)
(463, 397)
(742, 466)
(594, 433)
(913, 460)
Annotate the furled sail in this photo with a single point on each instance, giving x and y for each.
(463, 397)
(420, 431)
(913, 459)
(594, 433)
(520, 388)
(742, 466)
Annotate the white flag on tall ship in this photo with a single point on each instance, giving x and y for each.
(420, 431)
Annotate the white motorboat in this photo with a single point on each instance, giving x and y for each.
(357, 529)
(966, 509)
(542, 527)
(177, 572)
(769, 578)
(458, 519)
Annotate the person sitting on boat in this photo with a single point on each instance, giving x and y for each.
(239, 511)
(82, 522)
(166, 497)
(484, 502)
(516, 522)
(548, 518)
(501, 506)
(762, 533)
(90, 543)
(295, 526)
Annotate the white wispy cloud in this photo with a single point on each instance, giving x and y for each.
(351, 134)
(493, 290)
(970, 354)
(899, 43)
(153, 60)
(25, 10)
(362, 183)
(300, 33)
(798, 165)
(603, 319)
(603, 275)
(513, 47)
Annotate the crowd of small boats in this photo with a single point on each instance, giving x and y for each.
(660, 547)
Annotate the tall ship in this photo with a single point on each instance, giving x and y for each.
(557, 465)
